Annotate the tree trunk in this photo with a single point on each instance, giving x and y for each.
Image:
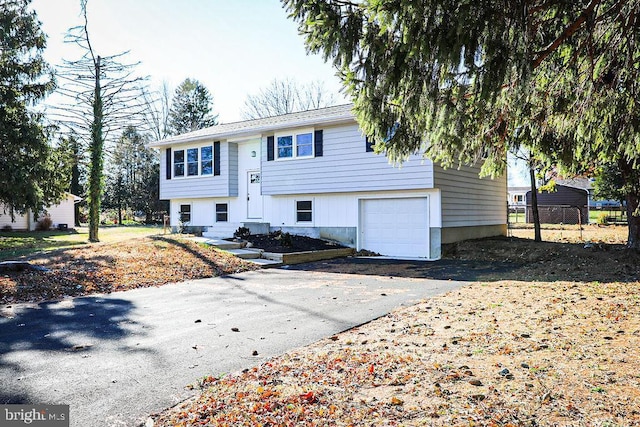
(534, 206)
(631, 179)
(95, 174)
(633, 219)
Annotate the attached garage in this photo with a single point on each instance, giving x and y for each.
(395, 227)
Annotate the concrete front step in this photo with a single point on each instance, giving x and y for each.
(263, 262)
(225, 244)
(245, 253)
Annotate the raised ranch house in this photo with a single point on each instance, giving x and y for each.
(62, 215)
(314, 173)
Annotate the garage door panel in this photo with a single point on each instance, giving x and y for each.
(395, 227)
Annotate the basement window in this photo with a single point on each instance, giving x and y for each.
(185, 213)
(222, 212)
(304, 211)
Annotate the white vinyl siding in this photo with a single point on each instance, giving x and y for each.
(345, 166)
(468, 200)
(62, 213)
(20, 222)
(224, 185)
(337, 210)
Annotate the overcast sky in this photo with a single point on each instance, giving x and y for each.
(234, 47)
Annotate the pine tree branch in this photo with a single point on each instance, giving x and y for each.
(568, 32)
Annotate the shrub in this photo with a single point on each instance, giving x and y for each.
(602, 218)
(7, 227)
(44, 224)
(286, 239)
(242, 233)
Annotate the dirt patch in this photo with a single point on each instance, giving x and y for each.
(284, 243)
(505, 258)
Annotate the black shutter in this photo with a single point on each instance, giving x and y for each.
(270, 153)
(216, 158)
(369, 144)
(167, 164)
(317, 142)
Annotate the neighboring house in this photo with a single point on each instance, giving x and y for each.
(568, 204)
(315, 173)
(517, 196)
(62, 215)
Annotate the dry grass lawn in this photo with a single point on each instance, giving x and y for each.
(558, 345)
(116, 265)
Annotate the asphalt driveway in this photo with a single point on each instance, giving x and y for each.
(117, 358)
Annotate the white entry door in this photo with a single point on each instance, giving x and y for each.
(254, 198)
(395, 227)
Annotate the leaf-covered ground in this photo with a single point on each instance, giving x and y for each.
(562, 351)
(119, 266)
(499, 354)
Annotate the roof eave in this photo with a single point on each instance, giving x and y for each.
(254, 130)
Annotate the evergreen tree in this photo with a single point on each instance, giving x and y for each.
(134, 176)
(191, 108)
(31, 175)
(466, 81)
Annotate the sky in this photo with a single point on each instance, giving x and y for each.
(234, 47)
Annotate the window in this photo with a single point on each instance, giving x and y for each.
(298, 144)
(222, 212)
(185, 213)
(285, 146)
(192, 162)
(206, 154)
(195, 162)
(304, 145)
(178, 163)
(303, 211)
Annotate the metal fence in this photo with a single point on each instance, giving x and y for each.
(519, 215)
(549, 214)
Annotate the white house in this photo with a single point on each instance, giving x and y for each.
(518, 196)
(60, 214)
(314, 173)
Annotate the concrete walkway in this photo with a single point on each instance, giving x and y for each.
(117, 358)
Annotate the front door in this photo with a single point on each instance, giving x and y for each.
(254, 199)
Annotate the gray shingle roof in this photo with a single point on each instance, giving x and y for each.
(322, 116)
(581, 183)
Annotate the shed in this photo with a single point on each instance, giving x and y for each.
(565, 205)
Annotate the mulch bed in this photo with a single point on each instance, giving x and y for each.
(274, 242)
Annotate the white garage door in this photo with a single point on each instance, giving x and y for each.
(395, 227)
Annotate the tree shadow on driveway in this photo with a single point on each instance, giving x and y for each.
(32, 331)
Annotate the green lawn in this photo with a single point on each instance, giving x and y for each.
(15, 244)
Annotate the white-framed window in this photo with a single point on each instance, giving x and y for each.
(304, 211)
(222, 212)
(295, 144)
(185, 213)
(206, 156)
(196, 161)
(178, 163)
(192, 162)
